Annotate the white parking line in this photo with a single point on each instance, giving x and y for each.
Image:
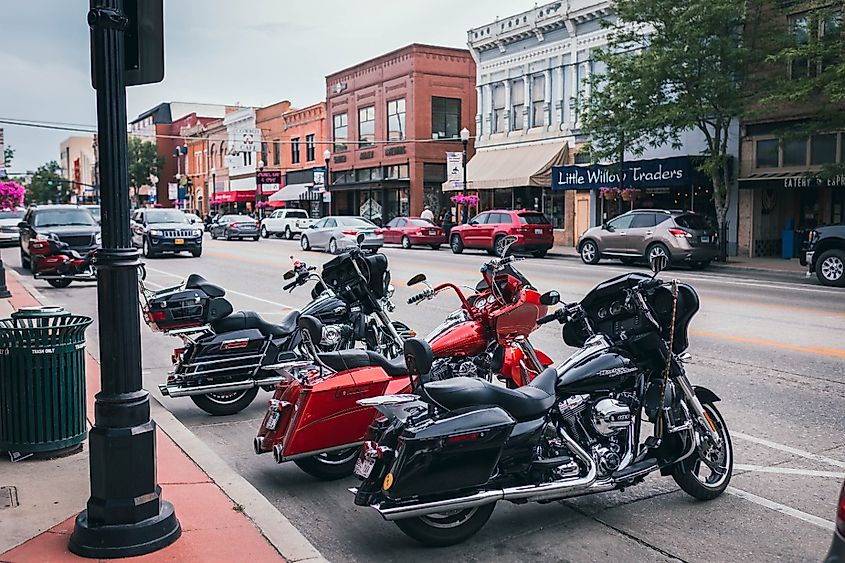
(788, 449)
(231, 291)
(782, 508)
(789, 471)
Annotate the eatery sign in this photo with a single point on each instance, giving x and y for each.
(639, 174)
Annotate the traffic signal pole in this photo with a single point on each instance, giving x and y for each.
(125, 515)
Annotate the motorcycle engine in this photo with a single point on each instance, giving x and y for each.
(333, 336)
(598, 425)
(447, 368)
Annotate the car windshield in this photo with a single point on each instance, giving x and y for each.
(419, 223)
(533, 219)
(64, 217)
(354, 222)
(166, 216)
(95, 211)
(696, 222)
(10, 214)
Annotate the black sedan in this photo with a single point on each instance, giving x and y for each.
(235, 227)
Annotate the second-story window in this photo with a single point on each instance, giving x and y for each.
(310, 148)
(445, 117)
(340, 131)
(277, 149)
(396, 120)
(813, 29)
(517, 105)
(499, 124)
(366, 126)
(538, 100)
(264, 157)
(294, 150)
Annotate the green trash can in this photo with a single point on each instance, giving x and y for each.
(42, 380)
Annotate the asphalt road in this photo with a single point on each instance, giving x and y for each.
(773, 349)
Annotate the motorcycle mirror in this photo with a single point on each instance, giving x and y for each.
(658, 263)
(550, 298)
(289, 274)
(419, 278)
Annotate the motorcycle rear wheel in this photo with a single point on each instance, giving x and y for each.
(447, 528)
(703, 481)
(60, 283)
(222, 404)
(330, 465)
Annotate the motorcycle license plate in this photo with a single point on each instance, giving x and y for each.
(363, 467)
(272, 421)
(705, 238)
(538, 231)
(179, 241)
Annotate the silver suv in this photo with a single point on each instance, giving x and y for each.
(642, 234)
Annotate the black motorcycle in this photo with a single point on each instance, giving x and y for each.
(446, 457)
(227, 356)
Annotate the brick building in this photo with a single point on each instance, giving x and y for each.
(392, 120)
(301, 157)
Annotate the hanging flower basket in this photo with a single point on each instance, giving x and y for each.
(469, 200)
(262, 205)
(629, 194)
(11, 195)
(609, 194)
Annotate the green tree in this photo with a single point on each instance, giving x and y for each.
(47, 185)
(143, 160)
(674, 67)
(8, 155)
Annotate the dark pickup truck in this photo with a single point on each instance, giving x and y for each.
(824, 254)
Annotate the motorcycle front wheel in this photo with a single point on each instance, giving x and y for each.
(712, 469)
(222, 404)
(330, 465)
(448, 527)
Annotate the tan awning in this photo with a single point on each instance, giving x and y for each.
(513, 166)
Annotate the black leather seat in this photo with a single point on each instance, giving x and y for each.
(524, 403)
(248, 319)
(351, 359)
(196, 281)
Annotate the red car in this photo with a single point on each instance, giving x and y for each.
(487, 231)
(409, 231)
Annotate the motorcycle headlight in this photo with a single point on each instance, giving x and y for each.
(98, 238)
(155, 232)
(390, 291)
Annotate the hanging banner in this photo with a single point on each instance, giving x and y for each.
(455, 169)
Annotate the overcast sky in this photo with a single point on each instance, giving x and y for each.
(219, 51)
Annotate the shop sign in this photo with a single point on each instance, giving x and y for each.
(641, 174)
(393, 151)
(813, 182)
(455, 169)
(172, 191)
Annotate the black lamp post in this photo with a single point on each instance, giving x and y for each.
(464, 142)
(213, 187)
(258, 187)
(327, 155)
(125, 515)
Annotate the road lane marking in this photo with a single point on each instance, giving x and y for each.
(782, 508)
(232, 291)
(788, 449)
(831, 352)
(789, 471)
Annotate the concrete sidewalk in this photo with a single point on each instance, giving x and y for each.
(217, 525)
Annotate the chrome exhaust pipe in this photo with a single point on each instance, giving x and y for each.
(175, 390)
(422, 509)
(257, 445)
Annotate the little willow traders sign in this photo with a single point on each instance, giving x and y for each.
(657, 173)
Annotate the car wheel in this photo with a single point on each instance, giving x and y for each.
(60, 283)
(264, 232)
(590, 252)
(255, 239)
(540, 253)
(196, 253)
(288, 232)
(303, 242)
(25, 261)
(146, 250)
(655, 250)
(406, 243)
(830, 268)
(456, 244)
(333, 246)
(227, 235)
(213, 235)
(699, 264)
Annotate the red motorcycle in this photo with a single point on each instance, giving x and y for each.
(314, 418)
(60, 264)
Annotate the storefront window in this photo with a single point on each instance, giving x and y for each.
(538, 100)
(366, 126)
(341, 130)
(767, 153)
(396, 172)
(368, 174)
(823, 149)
(445, 117)
(517, 104)
(499, 125)
(554, 207)
(345, 177)
(795, 152)
(396, 120)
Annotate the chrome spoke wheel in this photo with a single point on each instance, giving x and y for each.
(715, 461)
(338, 457)
(450, 519)
(225, 398)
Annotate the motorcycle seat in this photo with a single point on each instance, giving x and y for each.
(74, 254)
(525, 403)
(352, 359)
(249, 319)
(196, 281)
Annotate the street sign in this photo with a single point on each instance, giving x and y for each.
(172, 191)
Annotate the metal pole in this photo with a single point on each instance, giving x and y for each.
(465, 206)
(125, 515)
(326, 182)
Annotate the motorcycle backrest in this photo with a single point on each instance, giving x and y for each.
(312, 327)
(418, 356)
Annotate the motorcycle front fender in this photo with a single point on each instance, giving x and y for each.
(543, 357)
(705, 395)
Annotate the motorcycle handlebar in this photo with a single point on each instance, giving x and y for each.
(290, 285)
(420, 296)
(547, 318)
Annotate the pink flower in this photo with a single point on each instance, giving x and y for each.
(11, 195)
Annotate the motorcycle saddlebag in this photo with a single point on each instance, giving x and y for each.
(184, 309)
(459, 450)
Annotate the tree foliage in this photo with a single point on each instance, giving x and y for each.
(143, 161)
(48, 186)
(675, 67)
(8, 155)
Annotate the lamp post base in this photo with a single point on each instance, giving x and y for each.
(125, 540)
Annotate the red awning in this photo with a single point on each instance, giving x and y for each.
(236, 196)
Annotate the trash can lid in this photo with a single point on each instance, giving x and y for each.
(40, 312)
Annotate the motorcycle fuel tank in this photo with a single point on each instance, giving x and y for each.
(467, 338)
(597, 373)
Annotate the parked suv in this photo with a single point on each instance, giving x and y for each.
(156, 231)
(642, 234)
(825, 254)
(287, 222)
(70, 223)
(488, 230)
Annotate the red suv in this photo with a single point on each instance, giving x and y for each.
(487, 231)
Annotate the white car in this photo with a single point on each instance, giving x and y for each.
(9, 219)
(287, 222)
